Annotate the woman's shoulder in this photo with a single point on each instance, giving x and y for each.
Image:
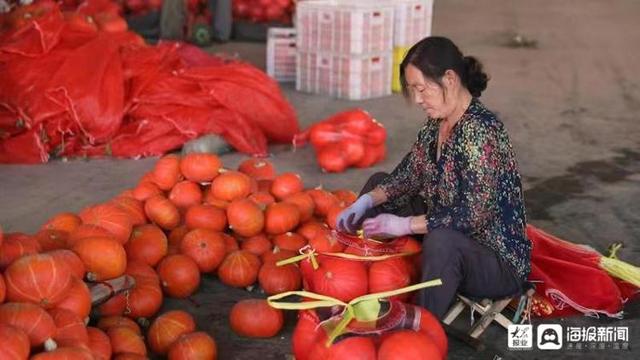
(481, 119)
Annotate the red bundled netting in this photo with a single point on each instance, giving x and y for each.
(349, 138)
(74, 88)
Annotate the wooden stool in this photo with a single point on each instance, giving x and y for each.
(490, 310)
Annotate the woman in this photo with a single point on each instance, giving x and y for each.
(458, 188)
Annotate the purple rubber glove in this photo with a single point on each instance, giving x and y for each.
(349, 219)
(385, 226)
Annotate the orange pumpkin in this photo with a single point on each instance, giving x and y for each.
(99, 343)
(145, 299)
(239, 269)
(14, 343)
(260, 169)
(65, 221)
(133, 207)
(289, 241)
(310, 229)
(231, 185)
(167, 173)
(162, 212)
(65, 353)
(339, 278)
(262, 199)
(70, 328)
(194, 346)
(407, 344)
(3, 289)
(16, 245)
(179, 275)
(51, 239)
(111, 217)
(70, 260)
(257, 245)
(276, 255)
(390, 274)
(104, 258)
(286, 184)
(281, 217)
(206, 217)
(77, 299)
(200, 167)
(275, 279)
(85, 231)
(126, 340)
(129, 356)
(175, 237)
(36, 323)
(167, 328)
(145, 190)
(305, 204)
(186, 193)
(148, 244)
(324, 241)
(333, 213)
(346, 196)
(115, 306)
(38, 279)
(108, 322)
(324, 201)
(351, 348)
(245, 217)
(230, 243)
(206, 247)
(255, 318)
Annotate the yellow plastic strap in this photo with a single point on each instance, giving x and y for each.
(621, 270)
(312, 255)
(613, 250)
(361, 308)
(309, 254)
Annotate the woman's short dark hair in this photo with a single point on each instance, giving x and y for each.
(436, 54)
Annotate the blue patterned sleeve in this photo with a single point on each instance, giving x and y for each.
(476, 160)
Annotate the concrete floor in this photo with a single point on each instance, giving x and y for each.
(570, 105)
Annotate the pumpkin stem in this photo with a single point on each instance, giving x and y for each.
(50, 345)
(92, 277)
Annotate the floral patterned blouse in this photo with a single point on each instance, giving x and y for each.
(474, 187)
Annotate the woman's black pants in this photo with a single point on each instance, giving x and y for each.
(463, 265)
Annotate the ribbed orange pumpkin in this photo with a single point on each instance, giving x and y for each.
(167, 328)
(255, 318)
(145, 190)
(341, 279)
(230, 243)
(286, 184)
(126, 340)
(289, 241)
(185, 193)
(332, 215)
(16, 245)
(310, 229)
(70, 328)
(195, 346)
(162, 212)
(305, 204)
(231, 185)
(276, 255)
(206, 217)
(133, 207)
(51, 239)
(209, 199)
(200, 167)
(275, 279)
(407, 344)
(71, 260)
(38, 279)
(111, 217)
(245, 217)
(179, 275)
(106, 323)
(129, 356)
(14, 343)
(99, 343)
(260, 169)
(324, 241)
(32, 319)
(324, 201)
(3, 289)
(306, 333)
(430, 325)
(346, 196)
(281, 217)
(85, 231)
(390, 274)
(206, 247)
(351, 348)
(264, 186)
(115, 306)
(148, 244)
(145, 299)
(65, 221)
(77, 299)
(103, 257)
(239, 269)
(262, 199)
(257, 245)
(167, 173)
(176, 235)
(65, 353)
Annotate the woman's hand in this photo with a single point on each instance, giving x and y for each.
(349, 219)
(385, 226)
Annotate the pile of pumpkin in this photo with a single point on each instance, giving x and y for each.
(185, 218)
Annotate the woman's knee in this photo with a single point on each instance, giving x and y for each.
(439, 241)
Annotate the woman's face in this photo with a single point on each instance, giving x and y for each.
(428, 94)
